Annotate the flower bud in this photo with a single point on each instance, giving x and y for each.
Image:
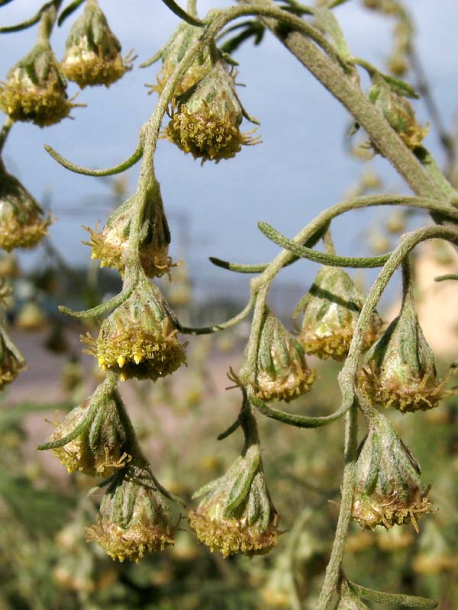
(388, 490)
(174, 52)
(205, 121)
(35, 89)
(11, 359)
(392, 103)
(331, 312)
(134, 518)
(399, 370)
(103, 444)
(236, 514)
(282, 372)
(92, 51)
(112, 242)
(22, 221)
(138, 339)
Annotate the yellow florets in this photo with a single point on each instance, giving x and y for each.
(132, 542)
(207, 135)
(229, 536)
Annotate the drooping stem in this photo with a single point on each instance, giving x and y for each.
(347, 385)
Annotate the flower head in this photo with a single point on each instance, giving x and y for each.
(93, 53)
(282, 372)
(22, 221)
(331, 312)
(206, 119)
(102, 444)
(390, 99)
(35, 89)
(138, 339)
(134, 518)
(236, 514)
(111, 243)
(399, 370)
(388, 490)
(172, 55)
(11, 359)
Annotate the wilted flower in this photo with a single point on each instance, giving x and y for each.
(112, 242)
(236, 514)
(11, 359)
(331, 312)
(138, 339)
(174, 52)
(390, 99)
(35, 89)
(205, 121)
(282, 372)
(399, 370)
(22, 221)
(134, 518)
(102, 444)
(388, 490)
(92, 51)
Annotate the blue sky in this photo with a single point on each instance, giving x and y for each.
(300, 169)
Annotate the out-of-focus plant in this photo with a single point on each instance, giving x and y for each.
(141, 337)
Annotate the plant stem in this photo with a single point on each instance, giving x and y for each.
(347, 385)
(342, 87)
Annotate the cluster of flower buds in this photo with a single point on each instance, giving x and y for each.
(281, 370)
(22, 221)
(111, 244)
(139, 338)
(206, 119)
(35, 88)
(389, 96)
(98, 439)
(331, 312)
(388, 490)
(93, 53)
(399, 370)
(173, 54)
(236, 514)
